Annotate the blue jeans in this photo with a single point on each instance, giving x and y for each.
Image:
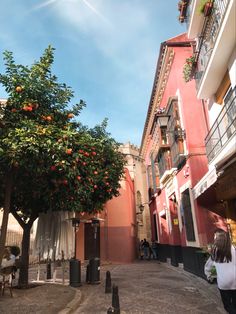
(154, 252)
(146, 252)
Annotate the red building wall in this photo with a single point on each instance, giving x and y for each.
(118, 229)
(195, 123)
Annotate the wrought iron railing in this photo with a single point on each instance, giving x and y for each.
(177, 153)
(224, 128)
(164, 162)
(208, 37)
(176, 137)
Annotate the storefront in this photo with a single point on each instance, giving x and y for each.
(216, 191)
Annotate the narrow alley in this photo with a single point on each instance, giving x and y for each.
(149, 287)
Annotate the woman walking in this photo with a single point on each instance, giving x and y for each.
(223, 257)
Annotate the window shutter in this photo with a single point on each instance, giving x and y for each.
(222, 89)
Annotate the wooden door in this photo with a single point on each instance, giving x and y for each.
(91, 245)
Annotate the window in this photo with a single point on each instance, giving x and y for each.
(187, 215)
(176, 135)
(153, 173)
(155, 235)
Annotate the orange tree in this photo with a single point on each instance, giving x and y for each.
(48, 161)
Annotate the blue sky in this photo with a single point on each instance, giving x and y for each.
(106, 50)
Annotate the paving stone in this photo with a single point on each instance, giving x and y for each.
(144, 287)
(148, 287)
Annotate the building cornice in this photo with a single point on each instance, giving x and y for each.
(164, 63)
(162, 73)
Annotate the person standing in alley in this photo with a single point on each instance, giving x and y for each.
(223, 257)
(141, 249)
(146, 251)
(154, 247)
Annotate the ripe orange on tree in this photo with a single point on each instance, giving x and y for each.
(19, 89)
(69, 151)
(70, 115)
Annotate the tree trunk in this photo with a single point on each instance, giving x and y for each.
(25, 246)
(24, 261)
(6, 210)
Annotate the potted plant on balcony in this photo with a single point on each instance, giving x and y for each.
(189, 68)
(180, 3)
(182, 6)
(205, 7)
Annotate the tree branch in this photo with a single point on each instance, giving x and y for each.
(18, 218)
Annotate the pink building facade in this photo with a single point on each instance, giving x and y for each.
(173, 148)
(116, 233)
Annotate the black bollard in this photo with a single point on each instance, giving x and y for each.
(87, 274)
(108, 282)
(94, 270)
(115, 299)
(75, 272)
(49, 272)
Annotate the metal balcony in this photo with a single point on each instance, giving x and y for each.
(224, 128)
(164, 161)
(212, 25)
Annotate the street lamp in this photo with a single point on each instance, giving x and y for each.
(49, 269)
(162, 120)
(95, 225)
(75, 224)
(141, 208)
(94, 263)
(75, 265)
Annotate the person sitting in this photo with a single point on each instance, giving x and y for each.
(8, 258)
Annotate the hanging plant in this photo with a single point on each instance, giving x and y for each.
(182, 7)
(205, 7)
(180, 4)
(189, 68)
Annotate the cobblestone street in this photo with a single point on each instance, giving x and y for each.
(144, 287)
(149, 287)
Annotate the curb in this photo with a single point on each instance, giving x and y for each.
(72, 305)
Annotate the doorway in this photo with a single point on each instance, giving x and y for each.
(91, 245)
(155, 236)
